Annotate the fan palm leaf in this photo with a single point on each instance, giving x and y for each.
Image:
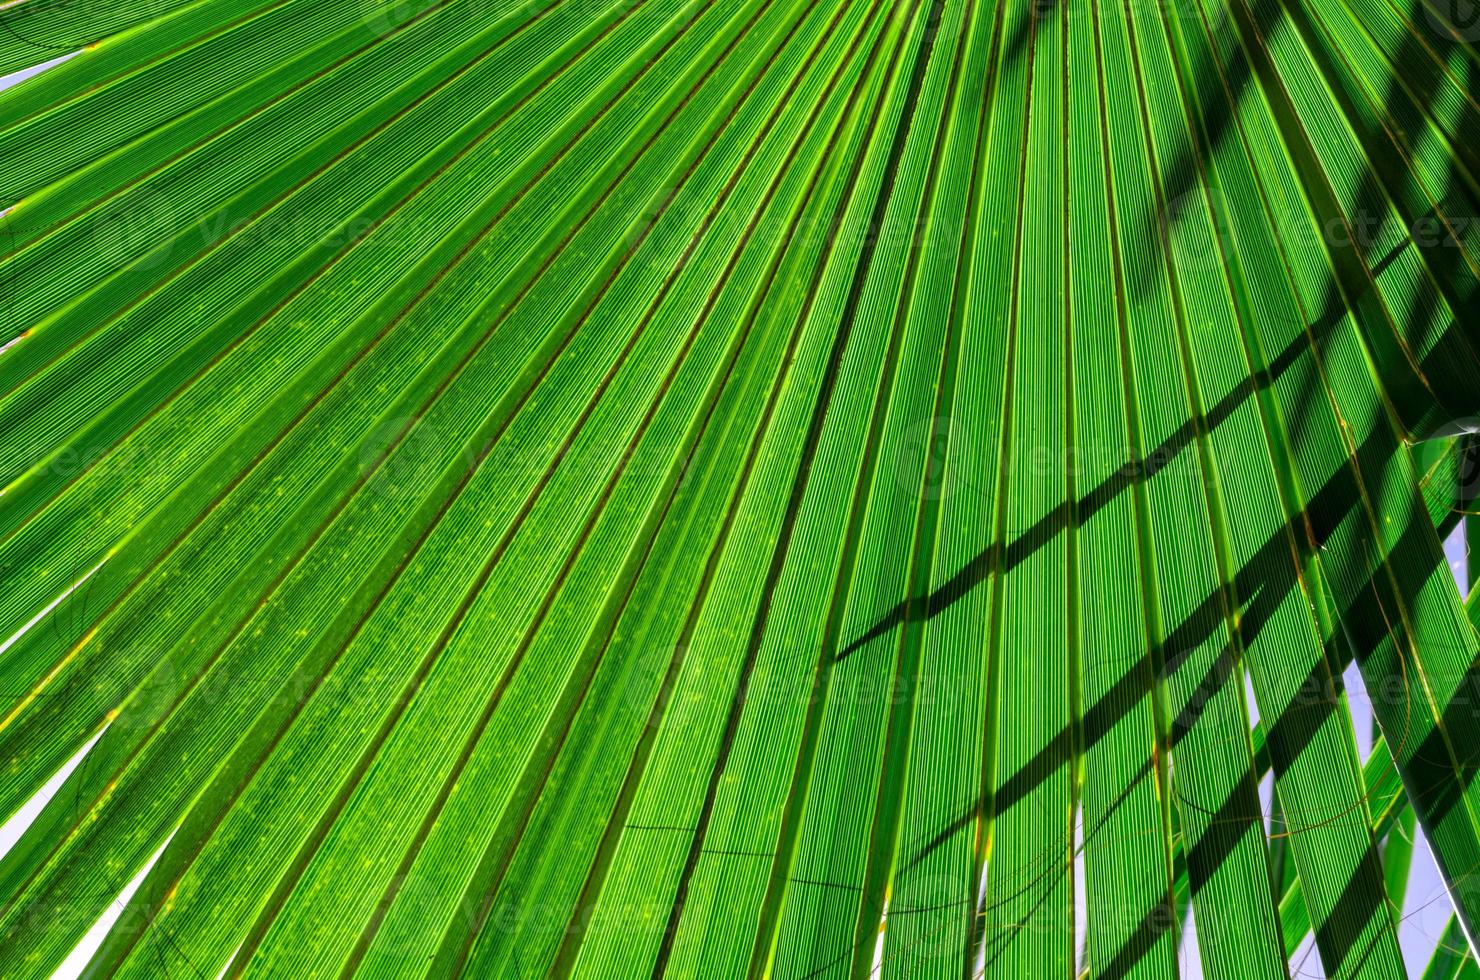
(707, 488)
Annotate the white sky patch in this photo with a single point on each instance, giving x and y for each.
(1459, 558)
(878, 964)
(50, 606)
(1266, 801)
(1427, 907)
(1189, 957)
(21, 821)
(16, 77)
(979, 960)
(1306, 963)
(1081, 898)
(229, 960)
(1360, 704)
(78, 959)
(1251, 703)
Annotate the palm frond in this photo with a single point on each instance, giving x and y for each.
(769, 488)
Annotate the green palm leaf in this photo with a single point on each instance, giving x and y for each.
(720, 488)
